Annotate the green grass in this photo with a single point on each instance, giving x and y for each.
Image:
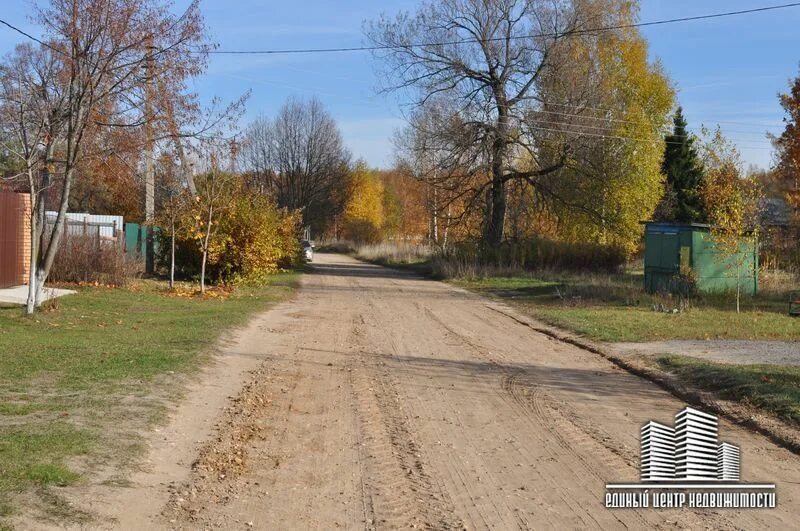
(616, 308)
(642, 324)
(773, 388)
(113, 334)
(79, 382)
(34, 454)
(9, 409)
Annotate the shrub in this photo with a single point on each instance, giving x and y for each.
(254, 238)
(471, 260)
(362, 231)
(258, 239)
(87, 258)
(390, 253)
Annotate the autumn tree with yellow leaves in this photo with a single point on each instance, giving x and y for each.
(613, 179)
(215, 193)
(364, 213)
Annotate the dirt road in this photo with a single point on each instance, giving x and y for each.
(387, 401)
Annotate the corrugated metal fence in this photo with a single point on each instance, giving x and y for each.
(78, 224)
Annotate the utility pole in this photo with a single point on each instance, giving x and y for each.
(149, 164)
(234, 148)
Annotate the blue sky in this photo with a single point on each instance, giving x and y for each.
(728, 71)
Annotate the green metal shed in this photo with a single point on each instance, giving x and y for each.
(670, 248)
(136, 240)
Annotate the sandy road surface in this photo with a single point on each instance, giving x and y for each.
(386, 401)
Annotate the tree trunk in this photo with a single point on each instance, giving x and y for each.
(738, 285)
(203, 273)
(172, 255)
(497, 207)
(40, 279)
(446, 229)
(55, 238)
(497, 213)
(205, 251)
(31, 302)
(434, 227)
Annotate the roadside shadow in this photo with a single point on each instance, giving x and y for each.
(476, 375)
(362, 270)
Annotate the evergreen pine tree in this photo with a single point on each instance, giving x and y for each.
(684, 172)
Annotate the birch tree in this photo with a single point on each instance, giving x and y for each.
(100, 48)
(30, 120)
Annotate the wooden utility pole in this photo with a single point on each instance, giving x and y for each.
(234, 148)
(149, 164)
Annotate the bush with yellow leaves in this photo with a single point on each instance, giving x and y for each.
(258, 239)
(252, 239)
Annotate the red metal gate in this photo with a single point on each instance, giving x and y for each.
(15, 245)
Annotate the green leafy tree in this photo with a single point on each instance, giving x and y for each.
(684, 171)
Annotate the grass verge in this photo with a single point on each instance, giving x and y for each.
(615, 308)
(772, 388)
(80, 382)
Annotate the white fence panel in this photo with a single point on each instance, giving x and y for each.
(109, 224)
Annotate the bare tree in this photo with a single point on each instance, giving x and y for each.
(29, 119)
(487, 59)
(258, 155)
(173, 201)
(423, 152)
(300, 158)
(101, 47)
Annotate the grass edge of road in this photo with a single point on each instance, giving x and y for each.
(773, 388)
(748, 405)
(83, 381)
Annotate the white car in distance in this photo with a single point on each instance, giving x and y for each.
(308, 250)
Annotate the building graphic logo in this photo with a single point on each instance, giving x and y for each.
(689, 451)
(686, 465)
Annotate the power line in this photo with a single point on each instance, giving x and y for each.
(494, 39)
(575, 32)
(604, 110)
(616, 137)
(577, 107)
(367, 102)
(665, 130)
(663, 133)
(31, 37)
